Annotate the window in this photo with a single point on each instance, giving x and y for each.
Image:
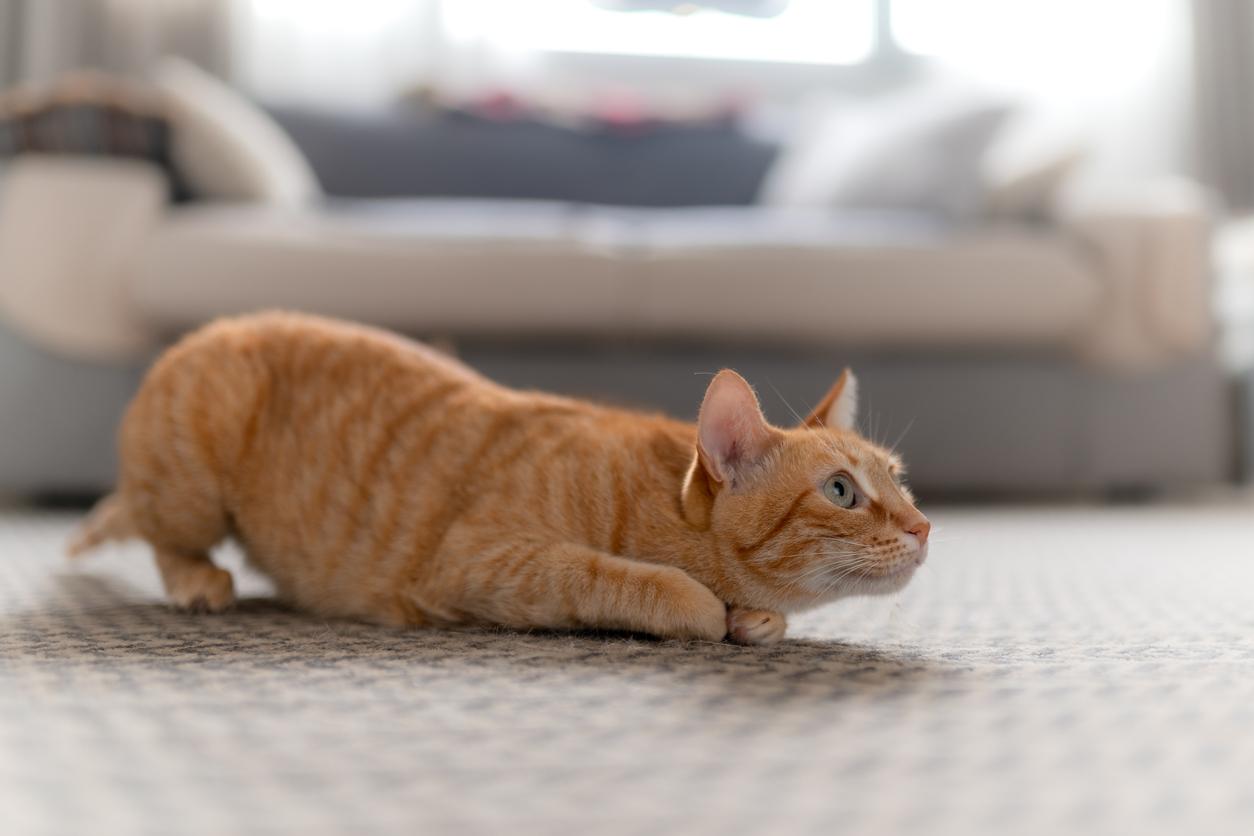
(365, 52)
(1079, 43)
(806, 31)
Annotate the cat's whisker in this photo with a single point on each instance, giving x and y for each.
(828, 442)
(836, 581)
(806, 578)
(827, 567)
(831, 564)
(823, 534)
(834, 569)
(902, 437)
(808, 586)
(769, 557)
(832, 539)
(780, 395)
(844, 570)
(827, 534)
(832, 554)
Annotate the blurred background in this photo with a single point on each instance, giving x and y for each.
(1020, 222)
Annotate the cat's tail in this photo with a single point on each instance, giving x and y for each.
(109, 520)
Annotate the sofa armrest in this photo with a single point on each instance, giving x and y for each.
(71, 229)
(1152, 251)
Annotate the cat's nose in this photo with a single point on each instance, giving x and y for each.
(920, 528)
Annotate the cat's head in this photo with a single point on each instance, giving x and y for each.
(807, 514)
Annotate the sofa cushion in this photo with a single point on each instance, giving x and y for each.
(857, 278)
(547, 268)
(442, 265)
(920, 149)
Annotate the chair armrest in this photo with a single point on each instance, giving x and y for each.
(70, 231)
(1152, 250)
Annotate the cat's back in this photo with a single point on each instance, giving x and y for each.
(281, 352)
(295, 348)
(222, 387)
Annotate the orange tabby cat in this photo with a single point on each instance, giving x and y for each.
(372, 477)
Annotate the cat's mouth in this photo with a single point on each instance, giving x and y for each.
(896, 564)
(871, 573)
(891, 575)
(878, 578)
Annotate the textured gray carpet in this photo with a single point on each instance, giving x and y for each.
(1051, 671)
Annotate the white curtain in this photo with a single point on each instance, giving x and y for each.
(1114, 75)
(1224, 37)
(342, 52)
(46, 38)
(1118, 71)
(367, 52)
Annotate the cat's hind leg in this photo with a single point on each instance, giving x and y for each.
(193, 582)
(179, 444)
(182, 521)
(190, 578)
(568, 586)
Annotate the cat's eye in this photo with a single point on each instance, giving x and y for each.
(839, 489)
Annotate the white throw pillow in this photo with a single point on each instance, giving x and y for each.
(1033, 160)
(1031, 191)
(227, 147)
(922, 150)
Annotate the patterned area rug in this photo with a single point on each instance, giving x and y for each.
(1057, 671)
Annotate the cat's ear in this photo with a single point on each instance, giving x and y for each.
(839, 408)
(732, 434)
(731, 430)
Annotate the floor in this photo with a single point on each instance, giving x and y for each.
(1049, 671)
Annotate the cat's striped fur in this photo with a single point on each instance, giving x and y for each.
(375, 478)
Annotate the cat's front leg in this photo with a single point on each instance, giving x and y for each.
(566, 585)
(745, 626)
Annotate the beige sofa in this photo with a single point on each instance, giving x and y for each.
(96, 267)
(1119, 284)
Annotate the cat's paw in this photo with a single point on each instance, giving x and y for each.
(691, 610)
(207, 590)
(755, 626)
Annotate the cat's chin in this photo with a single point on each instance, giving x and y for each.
(885, 584)
(863, 586)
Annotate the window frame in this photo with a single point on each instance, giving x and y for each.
(885, 65)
